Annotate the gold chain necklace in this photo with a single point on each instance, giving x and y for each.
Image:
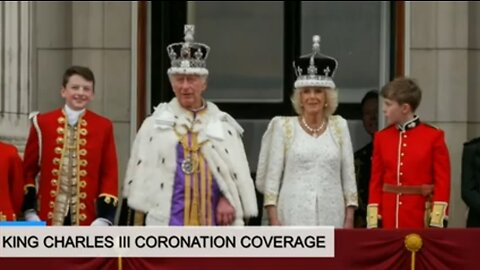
(190, 161)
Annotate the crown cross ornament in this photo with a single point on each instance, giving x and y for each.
(198, 54)
(308, 68)
(188, 57)
(312, 69)
(326, 71)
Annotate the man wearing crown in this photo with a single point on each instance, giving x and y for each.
(72, 151)
(188, 165)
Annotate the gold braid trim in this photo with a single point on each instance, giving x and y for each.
(288, 130)
(351, 199)
(109, 198)
(270, 199)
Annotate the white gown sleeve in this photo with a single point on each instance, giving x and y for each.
(271, 161)
(348, 169)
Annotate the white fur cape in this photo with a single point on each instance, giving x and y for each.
(149, 179)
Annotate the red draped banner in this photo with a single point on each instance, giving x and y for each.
(354, 249)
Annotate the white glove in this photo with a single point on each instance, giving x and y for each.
(31, 215)
(101, 222)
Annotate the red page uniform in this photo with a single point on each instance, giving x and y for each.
(410, 182)
(77, 166)
(11, 182)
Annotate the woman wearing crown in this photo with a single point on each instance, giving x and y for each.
(188, 166)
(306, 169)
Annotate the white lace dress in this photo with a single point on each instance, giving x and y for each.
(317, 181)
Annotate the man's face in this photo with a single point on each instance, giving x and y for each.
(189, 89)
(370, 115)
(78, 92)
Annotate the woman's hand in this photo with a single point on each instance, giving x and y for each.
(348, 223)
(272, 215)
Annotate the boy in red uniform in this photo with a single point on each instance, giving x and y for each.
(410, 182)
(73, 149)
(11, 183)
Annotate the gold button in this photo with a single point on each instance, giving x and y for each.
(56, 161)
(51, 204)
(405, 136)
(402, 154)
(83, 162)
(399, 203)
(83, 173)
(82, 206)
(83, 131)
(83, 217)
(108, 199)
(53, 193)
(60, 130)
(401, 163)
(83, 122)
(82, 152)
(401, 173)
(61, 120)
(60, 140)
(83, 141)
(55, 172)
(83, 184)
(58, 150)
(50, 215)
(404, 145)
(82, 195)
(53, 182)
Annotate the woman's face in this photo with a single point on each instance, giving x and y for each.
(313, 99)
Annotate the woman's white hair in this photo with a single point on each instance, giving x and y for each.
(331, 100)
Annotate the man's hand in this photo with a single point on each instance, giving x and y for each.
(225, 212)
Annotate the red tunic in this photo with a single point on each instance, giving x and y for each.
(11, 182)
(97, 159)
(409, 158)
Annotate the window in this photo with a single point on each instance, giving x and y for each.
(246, 41)
(355, 34)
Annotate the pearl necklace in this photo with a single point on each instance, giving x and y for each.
(315, 131)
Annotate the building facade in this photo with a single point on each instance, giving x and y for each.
(39, 40)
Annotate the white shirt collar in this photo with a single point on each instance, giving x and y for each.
(73, 115)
